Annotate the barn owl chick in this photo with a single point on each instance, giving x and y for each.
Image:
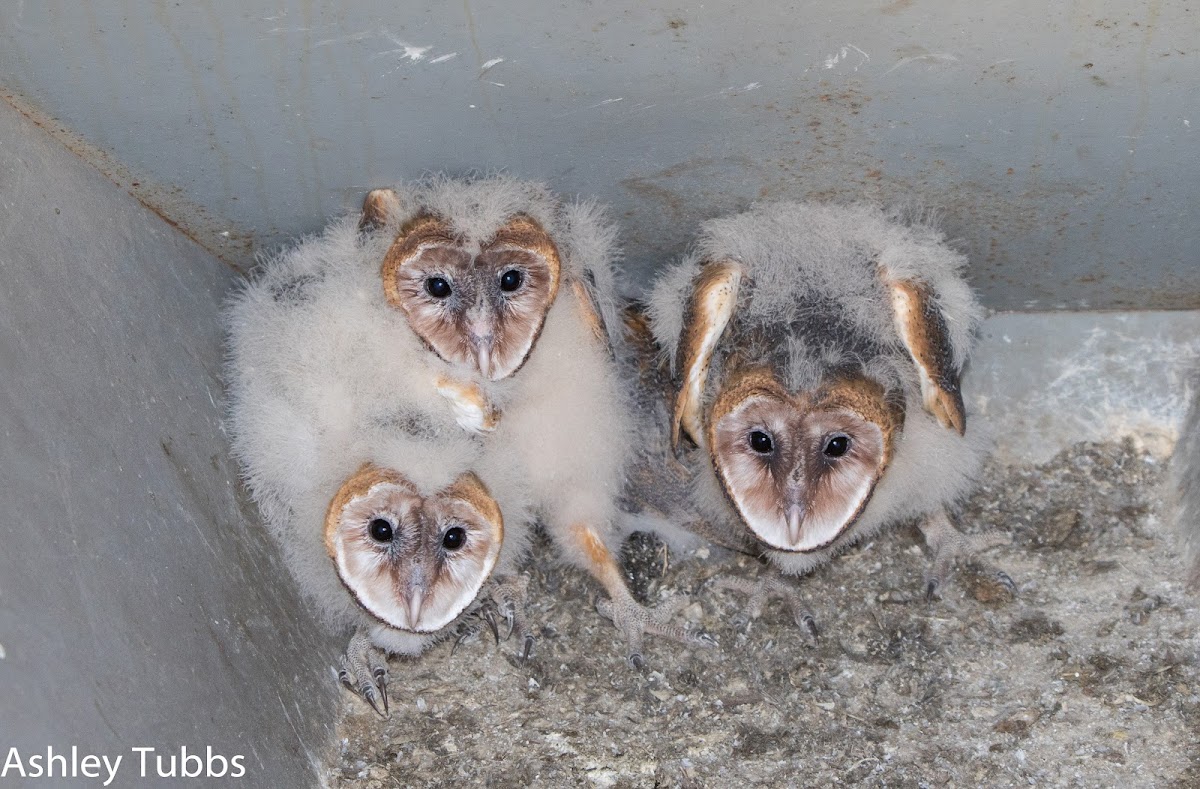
(391, 516)
(512, 292)
(817, 352)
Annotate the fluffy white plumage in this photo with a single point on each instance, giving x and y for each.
(328, 371)
(816, 303)
(323, 377)
(565, 424)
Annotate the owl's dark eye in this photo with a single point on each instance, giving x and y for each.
(381, 530)
(511, 280)
(454, 538)
(836, 446)
(438, 287)
(760, 442)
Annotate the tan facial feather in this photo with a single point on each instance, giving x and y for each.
(709, 310)
(797, 496)
(922, 329)
(589, 311)
(526, 233)
(472, 409)
(413, 562)
(868, 400)
(470, 490)
(379, 206)
(477, 320)
(468, 500)
(367, 476)
(418, 234)
(524, 245)
(514, 321)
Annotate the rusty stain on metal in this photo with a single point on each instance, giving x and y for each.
(231, 246)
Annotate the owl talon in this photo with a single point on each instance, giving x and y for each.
(810, 624)
(380, 675)
(490, 617)
(950, 546)
(368, 692)
(760, 593)
(509, 594)
(635, 621)
(364, 672)
(527, 648)
(468, 632)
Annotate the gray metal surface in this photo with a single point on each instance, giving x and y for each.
(141, 604)
(1058, 141)
(1042, 382)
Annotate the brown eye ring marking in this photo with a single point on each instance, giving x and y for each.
(367, 476)
(417, 235)
(870, 402)
(525, 233)
(470, 489)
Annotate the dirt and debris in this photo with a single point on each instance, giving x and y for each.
(1088, 677)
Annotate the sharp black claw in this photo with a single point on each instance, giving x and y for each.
(636, 661)
(526, 648)
(344, 676)
(512, 622)
(1007, 582)
(811, 624)
(931, 590)
(368, 693)
(459, 641)
(490, 618)
(381, 683)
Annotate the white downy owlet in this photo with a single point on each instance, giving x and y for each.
(817, 351)
(512, 291)
(390, 516)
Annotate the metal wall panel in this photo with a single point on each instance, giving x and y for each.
(141, 602)
(1057, 140)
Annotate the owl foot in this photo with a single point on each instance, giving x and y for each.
(505, 600)
(364, 672)
(949, 545)
(760, 593)
(634, 620)
(473, 624)
(510, 595)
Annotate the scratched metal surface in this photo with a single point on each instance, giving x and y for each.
(1059, 144)
(141, 602)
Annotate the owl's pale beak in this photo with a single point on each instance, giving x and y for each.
(795, 517)
(414, 607)
(483, 354)
(482, 337)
